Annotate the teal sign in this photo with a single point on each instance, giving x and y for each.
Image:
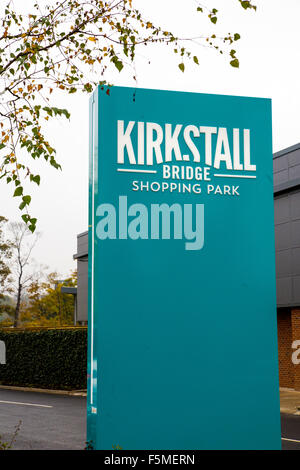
(182, 312)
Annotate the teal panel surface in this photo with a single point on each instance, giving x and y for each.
(182, 300)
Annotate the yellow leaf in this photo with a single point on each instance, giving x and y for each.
(92, 39)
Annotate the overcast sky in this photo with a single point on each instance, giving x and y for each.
(269, 67)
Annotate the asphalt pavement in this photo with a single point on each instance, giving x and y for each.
(290, 431)
(52, 422)
(56, 422)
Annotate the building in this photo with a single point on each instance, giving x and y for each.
(287, 245)
(82, 278)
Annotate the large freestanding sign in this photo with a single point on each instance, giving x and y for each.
(182, 314)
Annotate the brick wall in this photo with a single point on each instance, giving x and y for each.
(295, 321)
(286, 367)
(288, 323)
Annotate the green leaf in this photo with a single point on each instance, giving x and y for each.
(48, 110)
(236, 37)
(26, 200)
(88, 87)
(196, 60)
(181, 66)
(18, 191)
(2, 146)
(25, 217)
(119, 65)
(214, 19)
(245, 4)
(32, 225)
(66, 113)
(235, 63)
(35, 178)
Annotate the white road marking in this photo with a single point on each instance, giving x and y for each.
(26, 404)
(290, 440)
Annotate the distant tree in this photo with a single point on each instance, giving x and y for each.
(7, 308)
(5, 256)
(47, 305)
(23, 243)
(68, 45)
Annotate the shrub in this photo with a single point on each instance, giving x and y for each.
(45, 358)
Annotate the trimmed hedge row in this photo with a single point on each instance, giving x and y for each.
(48, 358)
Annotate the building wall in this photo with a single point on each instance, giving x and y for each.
(287, 225)
(82, 272)
(286, 369)
(286, 166)
(287, 247)
(296, 337)
(82, 290)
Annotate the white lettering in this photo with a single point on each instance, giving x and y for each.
(124, 140)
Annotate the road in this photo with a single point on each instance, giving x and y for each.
(290, 431)
(58, 422)
(53, 422)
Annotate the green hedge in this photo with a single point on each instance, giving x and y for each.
(48, 358)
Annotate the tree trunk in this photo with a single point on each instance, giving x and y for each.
(17, 310)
